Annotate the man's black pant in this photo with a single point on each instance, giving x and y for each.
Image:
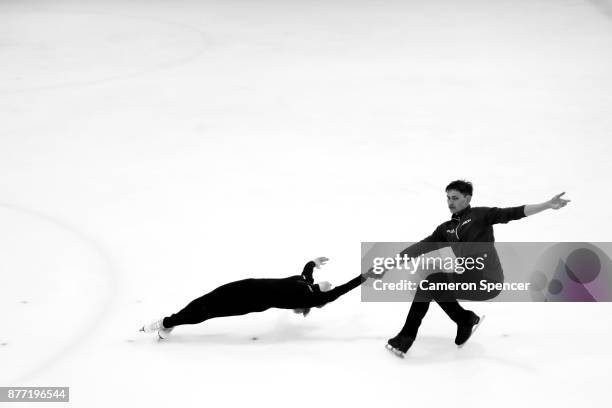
(447, 299)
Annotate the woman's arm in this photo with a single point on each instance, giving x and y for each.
(319, 298)
(309, 267)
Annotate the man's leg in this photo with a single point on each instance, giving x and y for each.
(466, 319)
(447, 300)
(400, 344)
(422, 298)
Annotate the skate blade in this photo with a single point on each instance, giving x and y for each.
(395, 351)
(473, 330)
(165, 335)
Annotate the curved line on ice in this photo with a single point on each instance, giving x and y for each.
(159, 66)
(105, 305)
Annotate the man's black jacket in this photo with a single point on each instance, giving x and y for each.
(469, 233)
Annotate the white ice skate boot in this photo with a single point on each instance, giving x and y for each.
(153, 326)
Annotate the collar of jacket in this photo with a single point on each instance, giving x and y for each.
(461, 213)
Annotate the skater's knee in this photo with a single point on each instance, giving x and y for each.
(488, 295)
(423, 295)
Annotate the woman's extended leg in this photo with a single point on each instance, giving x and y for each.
(233, 299)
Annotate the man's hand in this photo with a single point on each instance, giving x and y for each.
(371, 274)
(320, 261)
(557, 202)
(554, 203)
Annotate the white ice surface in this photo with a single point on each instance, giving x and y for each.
(151, 150)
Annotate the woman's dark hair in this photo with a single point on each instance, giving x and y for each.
(462, 186)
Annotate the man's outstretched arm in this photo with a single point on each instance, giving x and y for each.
(434, 241)
(497, 215)
(554, 203)
(430, 243)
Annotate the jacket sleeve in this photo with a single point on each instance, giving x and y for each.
(495, 215)
(308, 270)
(435, 241)
(318, 298)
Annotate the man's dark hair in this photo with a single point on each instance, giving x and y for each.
(462, 186)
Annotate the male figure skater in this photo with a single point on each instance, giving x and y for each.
(470, 234)
(257, 295)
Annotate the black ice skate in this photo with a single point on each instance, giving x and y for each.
(467, 328)
(399, 345)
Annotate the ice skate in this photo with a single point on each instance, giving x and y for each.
(153, 326)
(164, 333)
(465, 330)
(399, 345)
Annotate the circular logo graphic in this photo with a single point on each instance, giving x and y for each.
(572, 272)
